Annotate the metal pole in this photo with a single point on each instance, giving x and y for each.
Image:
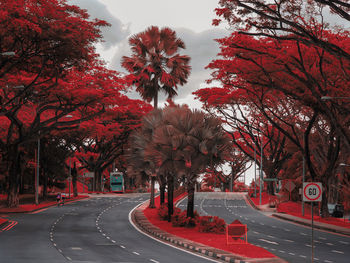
(70, 176)
(83, 182)
(261, 169)
(302, 201)
(37, 174)
(254, 168)
(312, 232)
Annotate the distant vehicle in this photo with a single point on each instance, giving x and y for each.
(117, 182)
(336, 210)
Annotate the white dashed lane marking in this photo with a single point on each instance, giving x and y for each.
(336, 251)
(268, 241)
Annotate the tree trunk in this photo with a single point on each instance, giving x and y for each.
(151, 201)
(14, 177)
(190, 201)
(170, 197)
(270, 188)
(162, 193)
(74, 174)
(324, 203)
(75, 189)
(98, 180)
(45, 184)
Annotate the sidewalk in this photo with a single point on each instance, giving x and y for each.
(27, 204)
(299, 220)
(142, 223)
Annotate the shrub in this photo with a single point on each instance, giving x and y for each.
(180, 218)
(211, 224)
(163, 211)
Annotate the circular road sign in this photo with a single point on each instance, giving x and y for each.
(312, 192)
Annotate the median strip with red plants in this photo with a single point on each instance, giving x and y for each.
(209, 231)
(295, 209)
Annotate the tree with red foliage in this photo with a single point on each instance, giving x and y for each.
(287, 20)
(238, 163)
(156, 66)
(303, 23)
(108, 134)
(59, 74)
(284, 81)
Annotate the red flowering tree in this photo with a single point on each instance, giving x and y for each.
(48, 71)
(108, 134)
(283, 82)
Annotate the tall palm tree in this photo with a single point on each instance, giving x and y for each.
(156, 66)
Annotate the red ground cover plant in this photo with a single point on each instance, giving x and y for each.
(208, 239)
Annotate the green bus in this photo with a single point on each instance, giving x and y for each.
(117, 182)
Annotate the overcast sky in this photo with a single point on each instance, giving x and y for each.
(190, 19)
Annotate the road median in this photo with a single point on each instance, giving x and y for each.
(143, 224)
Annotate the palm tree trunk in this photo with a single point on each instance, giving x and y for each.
(170, 197)
(190, 201)
(151, 201)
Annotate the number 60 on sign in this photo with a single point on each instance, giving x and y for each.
(312, 192)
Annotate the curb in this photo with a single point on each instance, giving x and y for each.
(140, 220)
(300, 221)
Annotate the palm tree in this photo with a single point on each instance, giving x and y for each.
(156, 66)
(187, 142)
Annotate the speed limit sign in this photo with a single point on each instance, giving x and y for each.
(312, 192)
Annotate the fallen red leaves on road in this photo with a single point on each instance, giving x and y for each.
(208, 239)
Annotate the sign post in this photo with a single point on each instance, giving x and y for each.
(312, 192)
(289, 185)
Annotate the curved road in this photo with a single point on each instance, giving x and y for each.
(89, 231)
(286, 240)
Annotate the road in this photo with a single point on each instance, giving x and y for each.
(94, 230)
(286, 240)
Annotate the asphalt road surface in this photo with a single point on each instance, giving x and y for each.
(95, 230)
(286, 240)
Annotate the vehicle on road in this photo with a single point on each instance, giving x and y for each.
(117, 182)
